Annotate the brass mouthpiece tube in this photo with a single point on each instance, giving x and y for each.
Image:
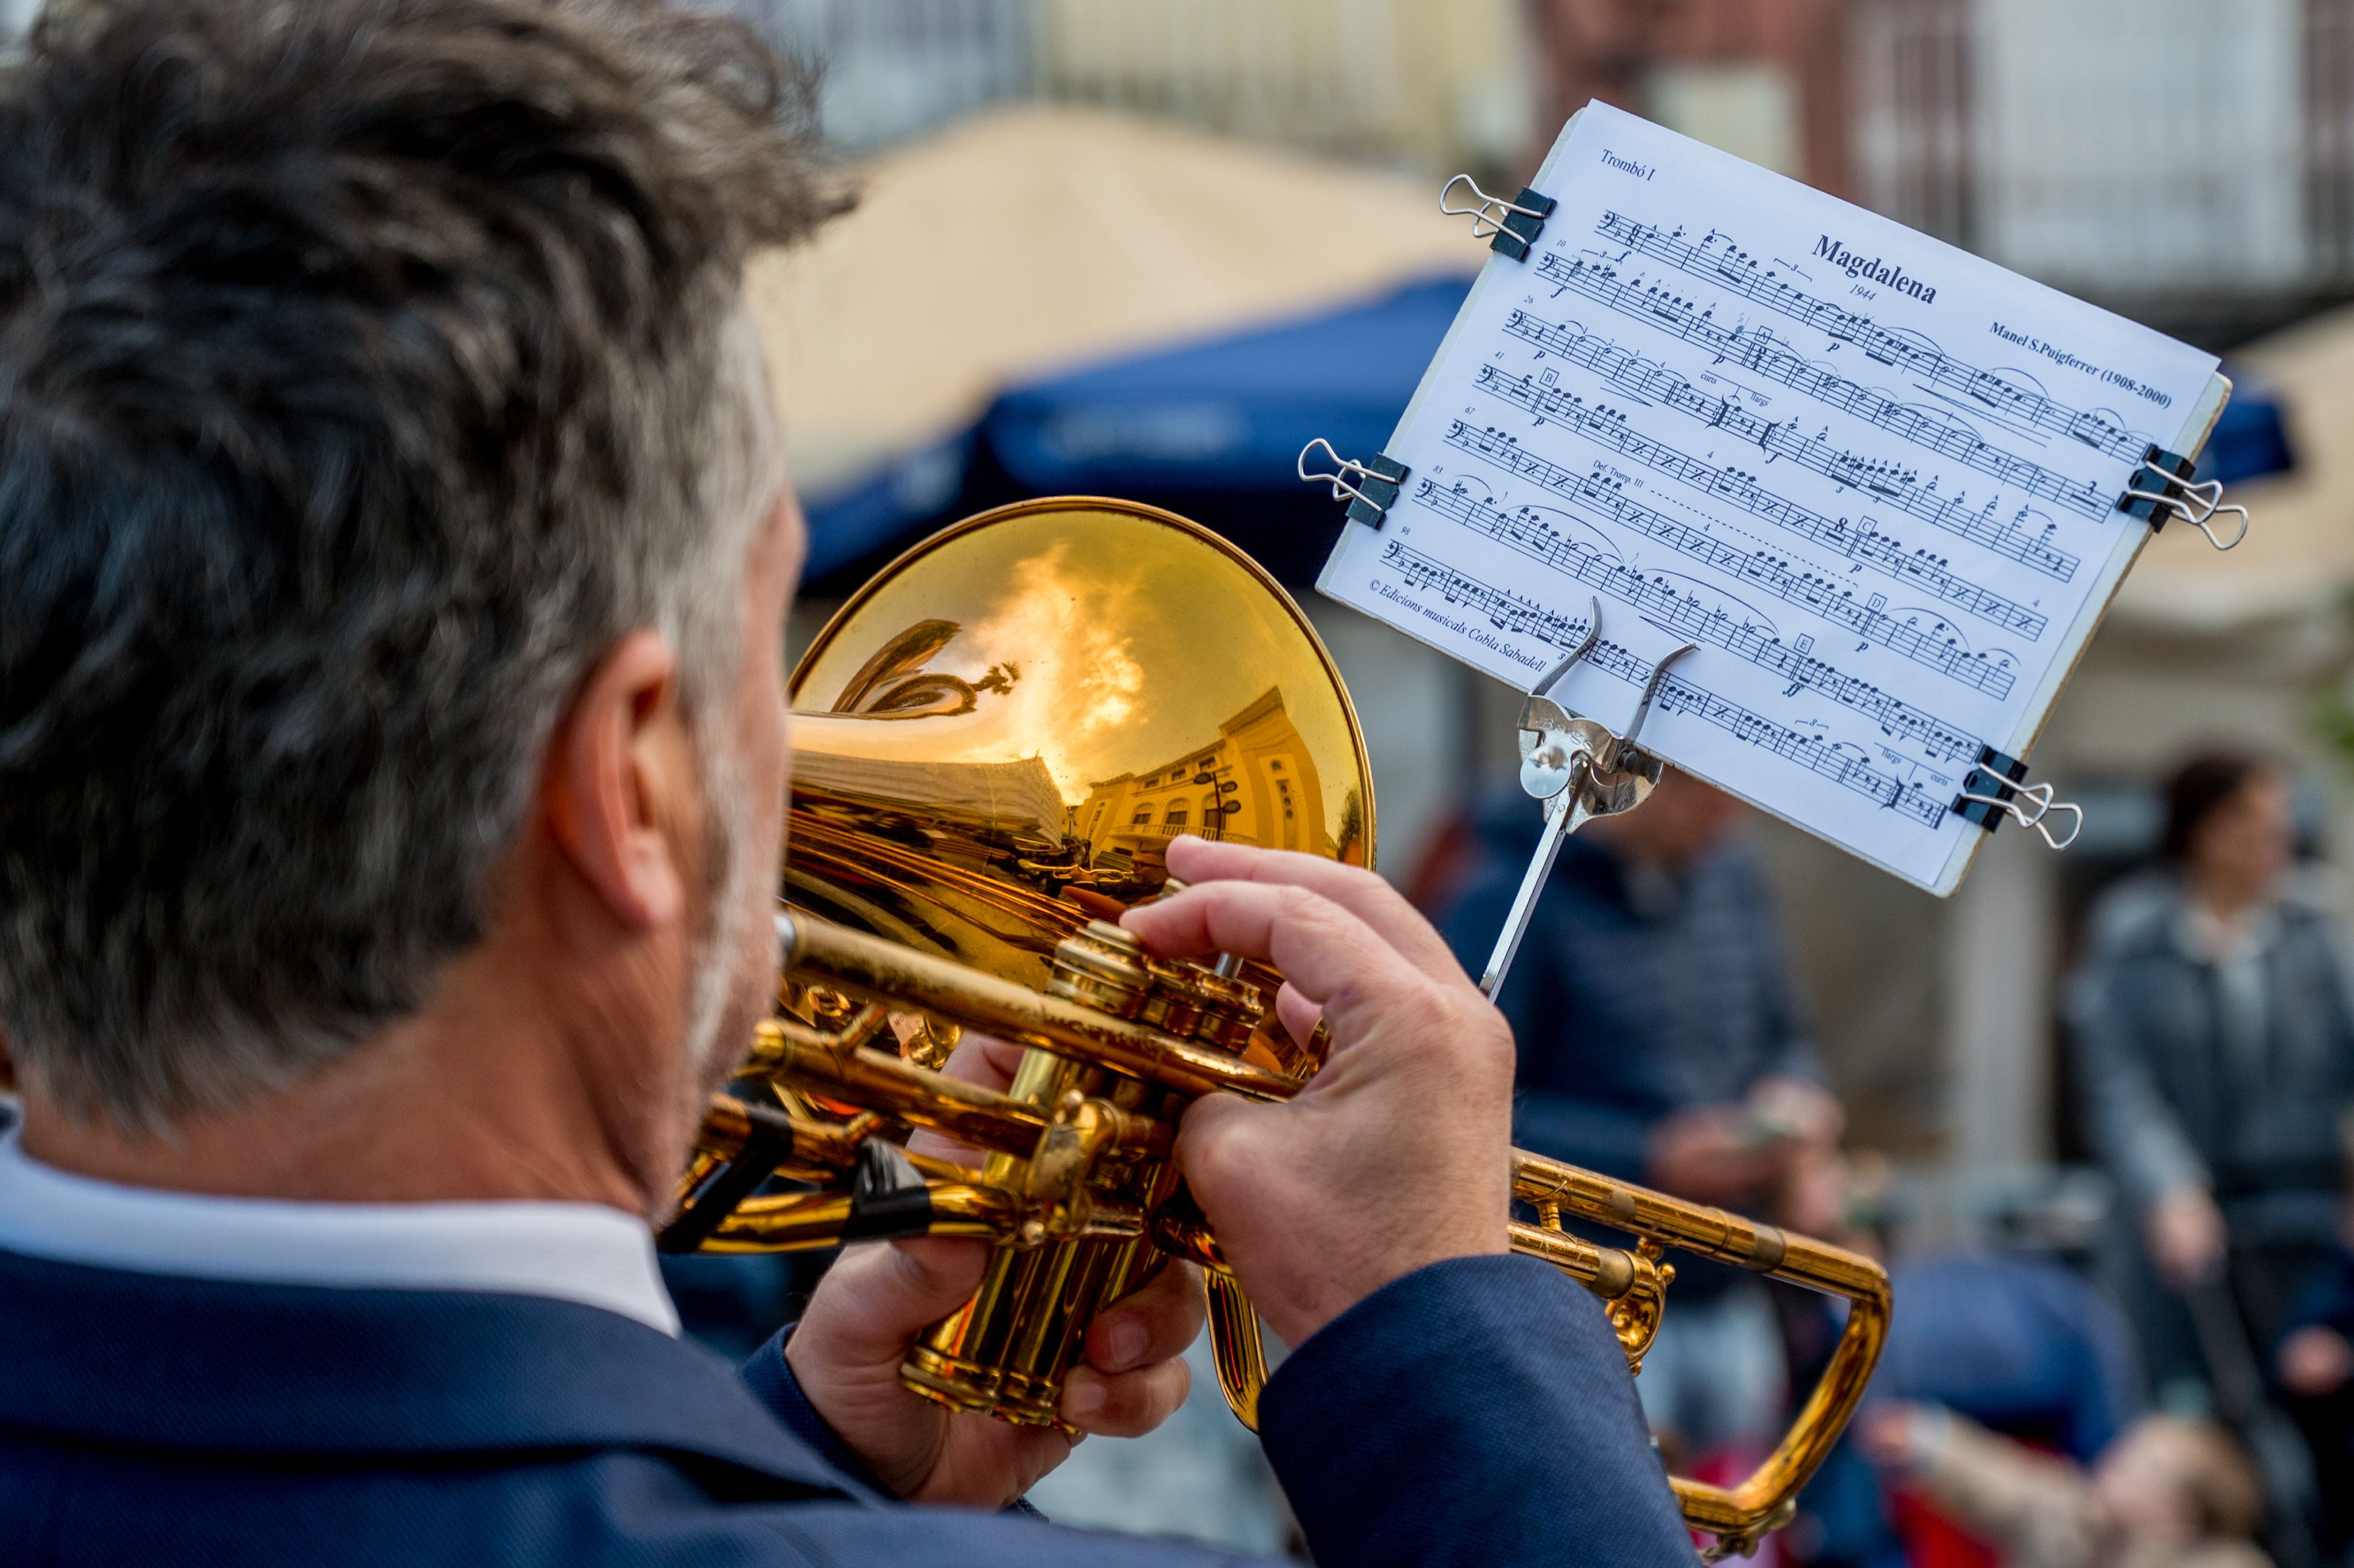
(819, 1150)
(866, 1077)
(872, 969)
(966, 1112)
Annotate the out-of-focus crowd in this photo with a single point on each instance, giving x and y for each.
(2184, 1395)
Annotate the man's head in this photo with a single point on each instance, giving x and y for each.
(393, 531)
(2231, 825)
(2178, 1481)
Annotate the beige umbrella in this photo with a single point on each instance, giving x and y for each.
(1032, 238)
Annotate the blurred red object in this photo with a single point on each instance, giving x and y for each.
(1933, 1540)
(1729, 1467)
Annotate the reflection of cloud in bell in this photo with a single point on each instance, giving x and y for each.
(1066, 633)
(1078, 649)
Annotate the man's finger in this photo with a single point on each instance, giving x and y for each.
(984, 1060)
(1354, 888)
(1299, 1016)
(1219, 1141)
(902, 1289)
(1321, 949)
(1153, 1323)
(1127, 1406)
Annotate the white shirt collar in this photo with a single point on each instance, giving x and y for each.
(567, 1252)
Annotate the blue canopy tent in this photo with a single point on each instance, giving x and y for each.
(1213, 429)
(2248, 442)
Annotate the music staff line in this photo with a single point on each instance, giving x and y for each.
(1934, 365)
(1950, 513)
(1685, 614)
(1865, 545)
(1630, 372)
(1759, 352)
(1509, 612)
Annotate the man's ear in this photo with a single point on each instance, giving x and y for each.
(619, 778)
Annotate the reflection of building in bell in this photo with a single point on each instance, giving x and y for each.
(1255, 783)
(1001, 802)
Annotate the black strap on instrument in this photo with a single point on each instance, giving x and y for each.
(768, 1145)
(888, 1198)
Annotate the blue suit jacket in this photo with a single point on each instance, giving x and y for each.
(1476, 1412)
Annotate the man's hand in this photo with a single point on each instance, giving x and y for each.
(2314, 1360)
(1709, 1155)
(1735, 1154)
(878, 1299)
(1397, 1153)
(1793, 1111)
(2186, 1235)
(1894, 1433)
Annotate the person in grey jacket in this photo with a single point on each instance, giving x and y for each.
(2216, 1054)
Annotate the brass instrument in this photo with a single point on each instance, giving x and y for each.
(994, 742)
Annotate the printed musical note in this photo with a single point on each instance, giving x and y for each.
(1678, 694)
(1759, 352)
(1728, 267)
(2029, 548)
(1864, 543)
(1687, 615)
(1655, 383)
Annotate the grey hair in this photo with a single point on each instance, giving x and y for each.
(367, 368)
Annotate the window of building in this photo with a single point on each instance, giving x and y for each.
(1177, 816)
(1143, 815)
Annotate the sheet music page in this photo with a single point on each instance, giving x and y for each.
(1870, 477)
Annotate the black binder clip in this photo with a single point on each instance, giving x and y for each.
(1995, 789)
(1515, 224)
(1371, 488)
(2161, 488)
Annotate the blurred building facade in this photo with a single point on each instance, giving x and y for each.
(2188, 161)
(1426, 82)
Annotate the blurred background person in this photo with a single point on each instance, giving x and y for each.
(2168, 1493)
(2216, 1048)
(1661, 1041)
